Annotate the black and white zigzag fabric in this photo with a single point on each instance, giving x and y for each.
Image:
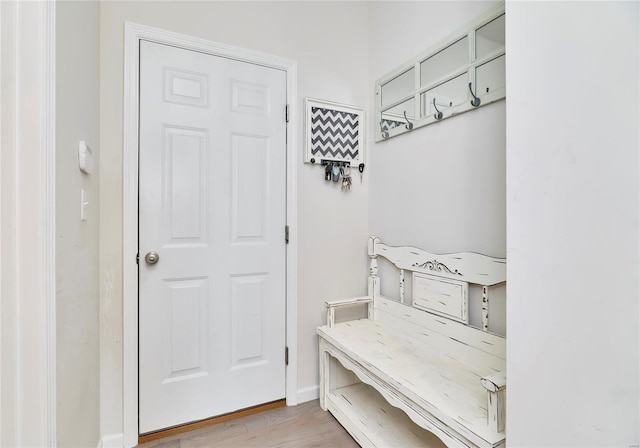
(334, 134)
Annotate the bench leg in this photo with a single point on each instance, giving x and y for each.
(496, 410)
(324, 374)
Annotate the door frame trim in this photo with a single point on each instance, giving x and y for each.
(134, 33)
(28, 376)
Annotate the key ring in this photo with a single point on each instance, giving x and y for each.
(335, 173)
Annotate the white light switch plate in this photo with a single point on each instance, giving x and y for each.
(84, 205)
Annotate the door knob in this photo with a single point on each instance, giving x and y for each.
(152, 257)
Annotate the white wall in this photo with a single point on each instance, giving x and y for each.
(457, 165)
(77, 248)
(330, 42)
(440, 187)
(572, 219)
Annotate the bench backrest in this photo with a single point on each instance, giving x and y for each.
(440, 294)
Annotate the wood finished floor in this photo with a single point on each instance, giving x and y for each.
(305, 425)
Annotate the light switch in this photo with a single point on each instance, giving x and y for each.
(84, 205)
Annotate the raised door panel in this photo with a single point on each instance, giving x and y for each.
(185, 187)
(186, 335)
(249, 324)
(186, 87)
(250, 188)
(250, 98)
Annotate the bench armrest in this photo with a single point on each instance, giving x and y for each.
(332, 305)
(494, 382)
(350, 301)
(496, 385)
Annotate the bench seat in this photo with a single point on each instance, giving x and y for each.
(420, 368)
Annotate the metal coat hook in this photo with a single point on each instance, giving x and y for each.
(438, 114)
(409, 125)
(475, 102)
(385, 134)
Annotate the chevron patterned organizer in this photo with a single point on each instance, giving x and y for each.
(334, 132)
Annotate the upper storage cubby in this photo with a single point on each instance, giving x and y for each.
(462, 72)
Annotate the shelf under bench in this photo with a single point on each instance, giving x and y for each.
(372, 421)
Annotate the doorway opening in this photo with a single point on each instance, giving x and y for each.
(134, 34)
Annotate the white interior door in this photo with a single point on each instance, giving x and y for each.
(212, 205)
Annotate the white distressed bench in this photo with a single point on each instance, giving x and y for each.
(420, 358)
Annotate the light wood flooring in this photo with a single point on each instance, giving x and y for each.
(305, 425)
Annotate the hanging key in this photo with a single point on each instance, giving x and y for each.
(335, 173)
(361, 169)
(346, 178)
(346, 183)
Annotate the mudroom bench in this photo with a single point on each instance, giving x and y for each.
(416, 366)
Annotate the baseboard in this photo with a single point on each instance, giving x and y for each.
(308, 394)
(111, 441)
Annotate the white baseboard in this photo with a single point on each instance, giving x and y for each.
(308, 394)
(111, 441)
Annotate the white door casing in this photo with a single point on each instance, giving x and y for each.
(134, 33)
(212, 205)
(28, 383)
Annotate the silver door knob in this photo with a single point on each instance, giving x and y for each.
(152, 257)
